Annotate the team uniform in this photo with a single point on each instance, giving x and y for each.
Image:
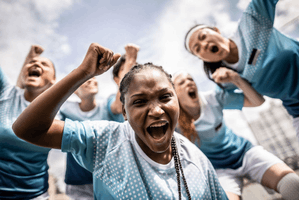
(121, 170)
(232, 156)
(268, 59)
(77, 178)
(23, 166)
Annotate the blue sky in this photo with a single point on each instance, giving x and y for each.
(65, 28)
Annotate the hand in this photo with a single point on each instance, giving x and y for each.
(225, 75)
(98, 60)
(131, 51)
(36, 50)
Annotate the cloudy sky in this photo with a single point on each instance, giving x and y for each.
(65, 28)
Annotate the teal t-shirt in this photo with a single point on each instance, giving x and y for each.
(121, 170)
(218, 142)
(23, 166)
(274, 70)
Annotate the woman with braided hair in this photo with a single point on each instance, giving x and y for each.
(233, 157)
(142, 158)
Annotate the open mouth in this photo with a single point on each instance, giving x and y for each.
(192, 94)
(158, 130)
(214, 49)
(34, 72)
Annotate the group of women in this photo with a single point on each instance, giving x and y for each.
(145, 157)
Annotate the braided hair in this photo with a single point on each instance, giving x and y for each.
(179, 169)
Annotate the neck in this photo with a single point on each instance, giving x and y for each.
(195, 113)
(31, 94)
(233, 56)
(162, 158)
(87, 104)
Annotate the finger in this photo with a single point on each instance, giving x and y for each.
(115, 58)
(103, 60)
(110, 59)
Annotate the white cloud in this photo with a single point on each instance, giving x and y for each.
(23, 23)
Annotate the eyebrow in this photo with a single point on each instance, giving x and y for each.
(143, 94)
(195, 47)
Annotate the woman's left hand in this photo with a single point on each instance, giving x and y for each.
(225, 75)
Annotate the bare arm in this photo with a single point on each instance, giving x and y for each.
(36, 123)
(34, 51)
(131, 57)
(251, 97)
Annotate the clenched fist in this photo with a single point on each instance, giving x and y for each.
(98, 60)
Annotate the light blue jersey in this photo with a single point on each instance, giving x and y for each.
(121, 170)
(75, 174)
(273, 70)
(23, 166)
(218, 142)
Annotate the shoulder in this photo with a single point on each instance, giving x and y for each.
(187, 149)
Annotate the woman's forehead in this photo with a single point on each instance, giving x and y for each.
(149, 79)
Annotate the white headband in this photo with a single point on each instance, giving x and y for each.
(190, 34)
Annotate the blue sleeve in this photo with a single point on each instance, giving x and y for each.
(229, 99)
(114, 117)
(4, 83)
(265, 8)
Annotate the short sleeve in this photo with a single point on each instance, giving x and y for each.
(85, 139)
(4, 83)
(265, 8)
(229, 99)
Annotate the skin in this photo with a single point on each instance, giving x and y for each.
(204, 40)
(37, 74)
(87, 92)
(184, 83)
(131, 57)
(35, 51)
(151, 101)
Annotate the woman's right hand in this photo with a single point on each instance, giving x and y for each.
(98, 60)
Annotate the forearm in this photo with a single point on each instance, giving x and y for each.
(38, 117)
(251, 97)
(128, 64)
(116, 106)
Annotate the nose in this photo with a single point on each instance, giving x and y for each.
(204, 45)
(155, 110)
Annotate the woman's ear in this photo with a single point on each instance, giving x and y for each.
(124, 112)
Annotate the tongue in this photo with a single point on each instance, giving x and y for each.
(157, 132)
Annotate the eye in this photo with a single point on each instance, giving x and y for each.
(182, 82)
(165, 96)
(45, 64)
(139, 102)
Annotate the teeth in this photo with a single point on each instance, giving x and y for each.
(159, 124)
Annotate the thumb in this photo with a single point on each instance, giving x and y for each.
(115, 58)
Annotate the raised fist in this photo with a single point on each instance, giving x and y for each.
(36, 50)
(98, 60)
(225, 75)
(131, 51)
